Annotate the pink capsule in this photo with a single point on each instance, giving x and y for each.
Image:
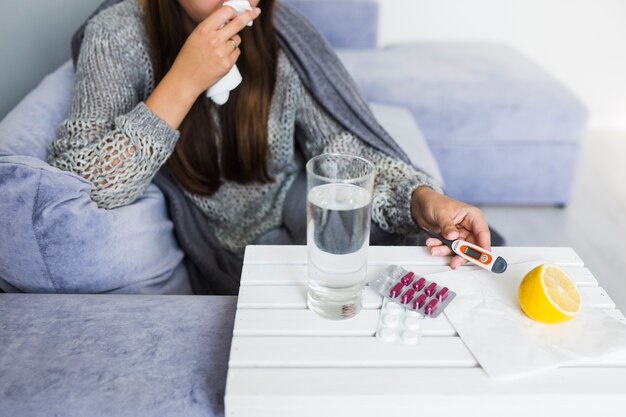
(407, 296)
(396, 290)
(419, 284)
(430, 307)
(430, 289)
(442, 294)
(408, 278)
(419, 301)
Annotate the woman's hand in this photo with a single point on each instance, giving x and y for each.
(450, 218)
(206, 56)
(208, 53)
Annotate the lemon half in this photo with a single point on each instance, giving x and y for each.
(548, 295)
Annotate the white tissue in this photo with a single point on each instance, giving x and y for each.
(508, 344)
(220, 91)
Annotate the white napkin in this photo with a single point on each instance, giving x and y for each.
(508, 344)
(220, 91)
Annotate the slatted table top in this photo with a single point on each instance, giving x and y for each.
(286, 361)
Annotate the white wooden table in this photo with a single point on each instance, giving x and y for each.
(286, 361)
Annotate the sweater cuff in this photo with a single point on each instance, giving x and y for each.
(403, 198)
(145, 123)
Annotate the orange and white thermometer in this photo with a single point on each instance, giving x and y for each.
(473, 253)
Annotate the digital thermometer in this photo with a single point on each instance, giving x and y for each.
(473, 253)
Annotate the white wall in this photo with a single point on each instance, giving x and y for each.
(581, 42)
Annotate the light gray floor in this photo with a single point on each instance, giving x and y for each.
(594, 223)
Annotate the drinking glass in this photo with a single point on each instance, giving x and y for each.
(339, 209)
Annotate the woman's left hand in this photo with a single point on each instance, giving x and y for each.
(450, 218)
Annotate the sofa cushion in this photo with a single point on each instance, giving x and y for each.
(58, 240)
(487, 111)
(32, 124)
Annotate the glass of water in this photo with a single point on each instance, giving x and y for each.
(339, 209)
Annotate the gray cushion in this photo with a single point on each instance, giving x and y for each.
(60, 241)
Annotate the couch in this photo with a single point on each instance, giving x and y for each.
(481, 117)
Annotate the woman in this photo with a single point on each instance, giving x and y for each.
(139, 103)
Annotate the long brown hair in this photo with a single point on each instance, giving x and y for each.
(243, 118)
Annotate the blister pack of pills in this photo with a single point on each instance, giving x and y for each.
(396, 324)
(413, 292)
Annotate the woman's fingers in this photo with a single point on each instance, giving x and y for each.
(437, 248)
(477, 225)
(217, 19)
(449, 230)
(237, 24)
(431, 241)
(234, 56)
(484, 239)
(440, 251)
(457, 261)
(237, 39)
(227, 22)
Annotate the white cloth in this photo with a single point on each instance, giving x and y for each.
(508, 344)
(220, 91)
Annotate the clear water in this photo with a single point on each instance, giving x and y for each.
(337, 239)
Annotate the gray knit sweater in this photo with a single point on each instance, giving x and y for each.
(111, 138)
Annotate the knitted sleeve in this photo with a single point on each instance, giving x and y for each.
(395, 180)
(110, 137)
